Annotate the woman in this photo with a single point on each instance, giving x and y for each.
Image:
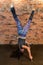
(22, 31)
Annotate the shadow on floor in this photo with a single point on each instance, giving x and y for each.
(8, 55)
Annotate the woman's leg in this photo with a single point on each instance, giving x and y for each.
(27, 26)
(16, 18)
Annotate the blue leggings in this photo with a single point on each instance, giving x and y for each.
(22, 30)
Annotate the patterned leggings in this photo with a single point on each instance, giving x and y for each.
(22, 30)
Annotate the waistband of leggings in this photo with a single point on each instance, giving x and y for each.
(21, 37)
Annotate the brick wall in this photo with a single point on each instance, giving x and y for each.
(8, 27)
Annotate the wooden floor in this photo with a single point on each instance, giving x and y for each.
(6, 59)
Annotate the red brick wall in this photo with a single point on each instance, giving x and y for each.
(8, 27)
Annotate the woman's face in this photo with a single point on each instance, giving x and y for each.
(22, 50)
